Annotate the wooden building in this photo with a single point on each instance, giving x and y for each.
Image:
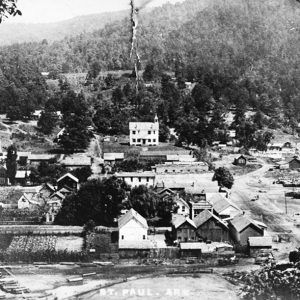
(240, 161)
(242, 227)
(183, 229)
(133, 229)
(68, 180)
(294, 164)
(259, 244)
(210, 227)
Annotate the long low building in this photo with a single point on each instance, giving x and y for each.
(181, 168)
(137, 178)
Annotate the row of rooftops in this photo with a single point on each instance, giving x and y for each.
(239, 222)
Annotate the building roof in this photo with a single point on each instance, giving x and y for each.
(23, 154)
(143, 126)
(59, 195)
(294, 159)
(204, 216)
(241, 222)
(135, 174)
(29, 198)
(205, 248)
(65, 190)
(179, 199)
(132, 214)
(219, 202)
(179, 220)
(70, 176)
(39, 157)
(49, 186)
(113, 156)
(260, 241)
(76, 160)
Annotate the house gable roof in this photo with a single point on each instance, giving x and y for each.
(70, 176)
(180, 220)
(241, 222)
(132, 214)
(219, 202)
(59, 195)
(206, 215)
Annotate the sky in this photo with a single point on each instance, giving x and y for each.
(45, 11)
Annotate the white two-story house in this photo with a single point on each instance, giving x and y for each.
(144, 133)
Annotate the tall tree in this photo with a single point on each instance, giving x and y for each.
(11, 163)
(224, 177)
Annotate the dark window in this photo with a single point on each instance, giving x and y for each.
(122, 237)
(144, 237)
(140, 179)
(133, 140)
(131, 179)
(147, 179)
(154, 140)
(149, 132)
(133, 132)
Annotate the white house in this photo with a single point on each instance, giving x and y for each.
(137, 178)
(132, 228)
(183, 207)
(144, 133)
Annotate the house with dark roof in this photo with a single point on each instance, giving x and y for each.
(69, 181)
(210, 227)
(242, 227)
(133, 229)
(183, 229)
(294, 164)
(240, 161)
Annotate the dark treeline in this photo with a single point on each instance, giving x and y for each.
(242, 54)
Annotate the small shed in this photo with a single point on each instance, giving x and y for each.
(240, 161)
(192, 249)
(258, 243)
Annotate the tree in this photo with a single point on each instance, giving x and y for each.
(149, 72)
(76, 119)
(83, 173)
(100, 201)
(224, 177)
(47, 121)
(8, 7)
(11, 163)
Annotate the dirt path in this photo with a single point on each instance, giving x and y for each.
(269, 208)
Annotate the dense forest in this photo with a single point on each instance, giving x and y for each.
(243, 54)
